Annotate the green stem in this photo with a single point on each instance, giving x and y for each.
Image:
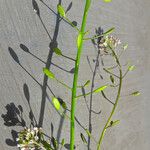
(116, 102)
(74, 89)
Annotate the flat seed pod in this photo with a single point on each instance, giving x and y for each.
(56, 103)
(125, 46)
(136, 93)
(87, 83)
(100, 89)
(113, 123)
(131, 68)
(57, 51)
(61, 11)
(48, 73)
(112, 79)
(63, 142)
(83, 138)
(107, 1)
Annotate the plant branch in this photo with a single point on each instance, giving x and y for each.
(101, 35)
(65, 85)
(111, 73)
(116, 102)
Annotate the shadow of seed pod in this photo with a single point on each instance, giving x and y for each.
(26, 92)
(24, 48)
(52, 129)
(13, 55)
(72, 70)
(53, 44)
(36, 7)
(74, 23)
(20, 108)
(69, 7)
(67, 146)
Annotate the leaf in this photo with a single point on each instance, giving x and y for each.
(48, 73)
(87, 83)
(107, 1)
(109, 31)
(63, 142)
(112, 79)
(100, 89)
(61, 11)
(131, 68)
(125, 46)
(136, 93)
(79, 40)
(57, 51)
(56, 103)
(83, 138)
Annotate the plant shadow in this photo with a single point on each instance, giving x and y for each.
(14, 115)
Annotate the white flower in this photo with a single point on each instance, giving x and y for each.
(36, 138)
(27, 137)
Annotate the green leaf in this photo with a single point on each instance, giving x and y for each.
(136, 93)
(48, 73)
(125, 46)
(107, 1)
(63, 142)
(100, 89)
(61, 11)
(109, 31)
(112, 79)
(87, 83)
(56, 103)
(131, 68)
(79, 39)
(57, 51)
(83, 138)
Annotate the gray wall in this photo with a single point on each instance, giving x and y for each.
(21, 76)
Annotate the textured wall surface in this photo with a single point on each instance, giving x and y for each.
(25, 42)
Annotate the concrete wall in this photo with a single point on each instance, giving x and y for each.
(25, 42)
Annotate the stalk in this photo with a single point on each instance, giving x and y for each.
(77, 63)
(116, 102)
